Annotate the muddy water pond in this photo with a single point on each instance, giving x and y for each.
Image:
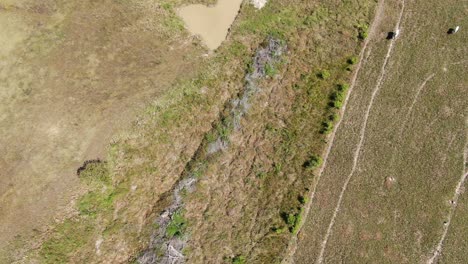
(211, 23)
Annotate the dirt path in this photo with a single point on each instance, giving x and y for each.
(416, 97)
(361, 141)
(363, 56)
(456, 196)
(408, 114)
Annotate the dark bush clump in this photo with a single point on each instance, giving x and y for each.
(324, 74)
(352, 60)
(313, 162)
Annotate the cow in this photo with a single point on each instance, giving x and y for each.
(393, 34)
(453, 30)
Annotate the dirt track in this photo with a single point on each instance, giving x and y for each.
(359, 218)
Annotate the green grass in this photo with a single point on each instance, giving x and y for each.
(96, 202)
(239, 260)
(270, 70)
(76, 233)
(177, 226)
(67, 238)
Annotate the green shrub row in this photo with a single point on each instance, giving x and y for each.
(337, 99)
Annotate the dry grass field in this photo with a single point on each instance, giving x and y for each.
(245, 125)
(389, 189)
(269, 163)
(72, 74)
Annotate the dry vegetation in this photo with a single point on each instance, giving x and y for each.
(255, 171)
(282, 134)
(411, 160)
(73, 73)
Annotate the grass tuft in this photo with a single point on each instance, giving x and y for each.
(177, 226)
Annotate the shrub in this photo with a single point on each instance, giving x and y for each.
(261, 175)
(291, 220)
(94, 171)
(277, 167)
(270, 70)
(343, 87)
(302, 199)
(324, 74)
(239, 259)
(363, 32)
(313, 162)
(294, 221)
(333, 117)
(337, 99)
(211, 137)
(327, 127)
(352, 60)
(279, 230)
(298, 222)
(224, 128)
(177, 225)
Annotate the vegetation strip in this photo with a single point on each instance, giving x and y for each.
(293, 243)
(169, 240)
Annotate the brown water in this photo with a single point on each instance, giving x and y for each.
(210, 23)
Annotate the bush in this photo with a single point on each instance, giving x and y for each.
(313, 162)
(238, 259)
(270, 70)
(177, 225)
(298, 222)
(363, 32)
(303, 200)
(337, 99)
(327, 127)
(291, 220)
(352, 60)
(279, 230)
(343, 87)
(333, 117)
(294, 220)
(324, 74)
(211, 136)
(94, 170)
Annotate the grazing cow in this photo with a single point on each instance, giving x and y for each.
(393, 35)
(453, 30)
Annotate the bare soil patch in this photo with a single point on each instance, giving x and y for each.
(71, 76)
